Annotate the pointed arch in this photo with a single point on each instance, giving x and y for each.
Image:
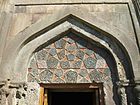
(63, 18)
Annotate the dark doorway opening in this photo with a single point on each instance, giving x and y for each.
(71, 94)
(72, 98)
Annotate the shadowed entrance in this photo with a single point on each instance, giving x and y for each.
(72, 98)
(72, 94)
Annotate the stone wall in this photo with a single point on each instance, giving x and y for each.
(19, 93)
(69, 58)
(114, 14)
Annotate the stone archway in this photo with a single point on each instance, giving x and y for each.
(55, 19)
(94, 30)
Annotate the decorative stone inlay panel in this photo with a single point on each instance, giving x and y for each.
(52, 62)
(65, 65)
(70, 59)
(71, 76)
(90, 63)
(46, 75)
(61, 54)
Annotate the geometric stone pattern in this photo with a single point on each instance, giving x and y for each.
(70, 59)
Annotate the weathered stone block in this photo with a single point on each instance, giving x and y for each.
(101, 63)
(80, 54)
(41, 64)
(83, 72)
(95, 76)
(59, 72)
(32, 93)
(53, 51)
(107, 72)
(77, 64)
(52, 62)
(70, 57)
(65, 64)
(90, 63)
(98, 56)
(71, 77)
(61, 54)
(60, 43)
(41, 55)
(46, 75)
(71, 48)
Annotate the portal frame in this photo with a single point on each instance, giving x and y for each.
(71, 87)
